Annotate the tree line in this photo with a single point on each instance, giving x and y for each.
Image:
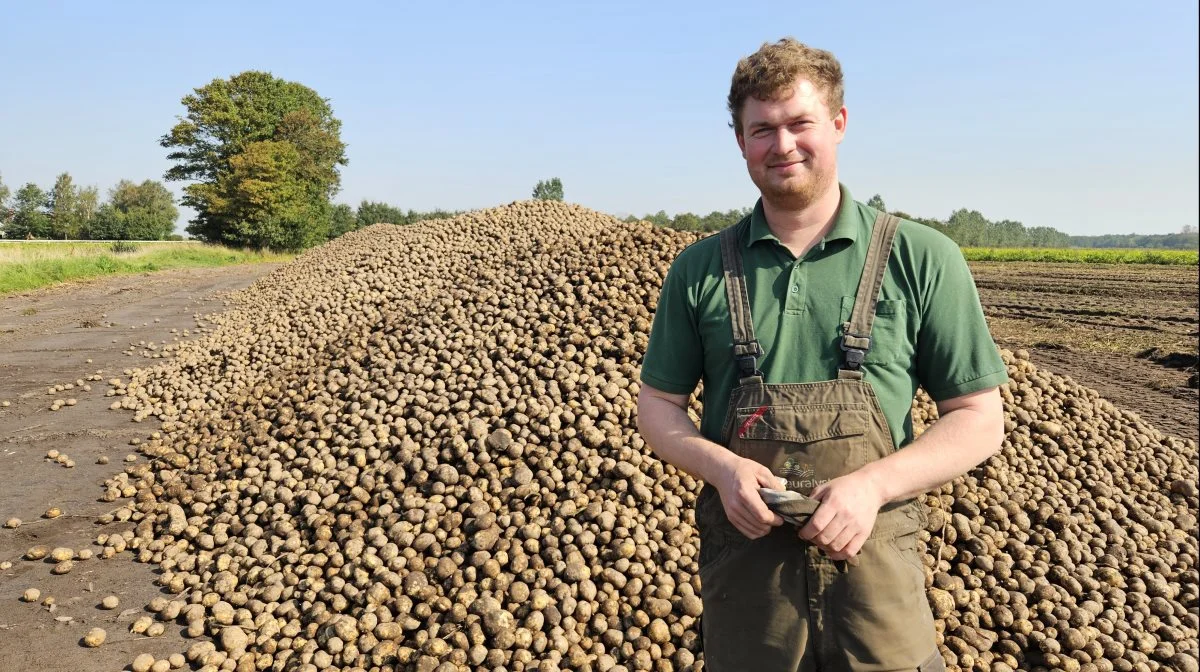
(968, 228)
(132, 211)
(686, 221)
(1187, 239)
(346, 219)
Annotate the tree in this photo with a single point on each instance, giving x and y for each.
(264, 155)
(341, 220)
(371, 212)
(686, 221)
(29, 217)
(1187, 228)
(968, 228)
(660, 218)
(134, 211)
(87, 202)
(548, 190)
(877, 203)
(64, 202)
(5, 213)
(263, 202)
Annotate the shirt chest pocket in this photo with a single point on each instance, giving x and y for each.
(889, 333)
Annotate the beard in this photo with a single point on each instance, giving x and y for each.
(793, 192)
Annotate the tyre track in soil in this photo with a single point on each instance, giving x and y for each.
(46, 338)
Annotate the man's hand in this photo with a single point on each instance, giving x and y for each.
(846, 516)
(738, 484)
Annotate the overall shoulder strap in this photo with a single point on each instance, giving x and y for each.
(856, 334)
(746, 349)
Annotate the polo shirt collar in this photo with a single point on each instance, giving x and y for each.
(845, 223)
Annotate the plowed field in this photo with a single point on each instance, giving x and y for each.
(1128, 331)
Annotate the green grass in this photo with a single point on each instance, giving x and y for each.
(1084, 255)
(30, 265)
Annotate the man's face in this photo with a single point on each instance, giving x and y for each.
(790, 145)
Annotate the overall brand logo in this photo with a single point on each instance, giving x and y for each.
(800, 476)
(749, 422)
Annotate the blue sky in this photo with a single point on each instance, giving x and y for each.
(1076, 115)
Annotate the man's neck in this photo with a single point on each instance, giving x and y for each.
(799, 230)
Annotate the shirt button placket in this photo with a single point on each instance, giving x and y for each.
(796, 293)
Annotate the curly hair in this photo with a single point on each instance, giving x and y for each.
(769, 73)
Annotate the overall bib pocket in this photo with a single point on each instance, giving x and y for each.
(805, 444)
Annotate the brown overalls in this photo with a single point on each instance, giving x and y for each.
(778, 603)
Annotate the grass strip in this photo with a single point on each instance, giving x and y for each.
(44, 270)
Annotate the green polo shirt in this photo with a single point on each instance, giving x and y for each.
(929, 328)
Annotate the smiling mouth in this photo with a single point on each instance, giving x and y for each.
(787, 164)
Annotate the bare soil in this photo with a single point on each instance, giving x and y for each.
(47, 337)
(1127, 331)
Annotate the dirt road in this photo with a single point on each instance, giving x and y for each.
(61, 336)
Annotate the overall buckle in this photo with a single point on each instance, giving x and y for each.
(748, 363)
(855, 356)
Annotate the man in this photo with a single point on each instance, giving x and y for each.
(811, 324)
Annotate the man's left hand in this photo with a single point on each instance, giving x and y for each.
(846, 516)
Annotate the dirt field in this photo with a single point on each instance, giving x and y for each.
(1089, 323)
(1129, 332)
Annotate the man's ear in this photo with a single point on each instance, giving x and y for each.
(741, 140)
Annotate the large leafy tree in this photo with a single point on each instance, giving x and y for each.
(263, 154)
(134, 211)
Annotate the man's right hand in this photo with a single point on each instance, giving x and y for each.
(738, 483)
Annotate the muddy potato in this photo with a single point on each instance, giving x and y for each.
(142, 663)
(94, 637)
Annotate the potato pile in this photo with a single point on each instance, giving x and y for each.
(415, 447)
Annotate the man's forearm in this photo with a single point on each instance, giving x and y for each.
(673, 437)
(952, 446)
